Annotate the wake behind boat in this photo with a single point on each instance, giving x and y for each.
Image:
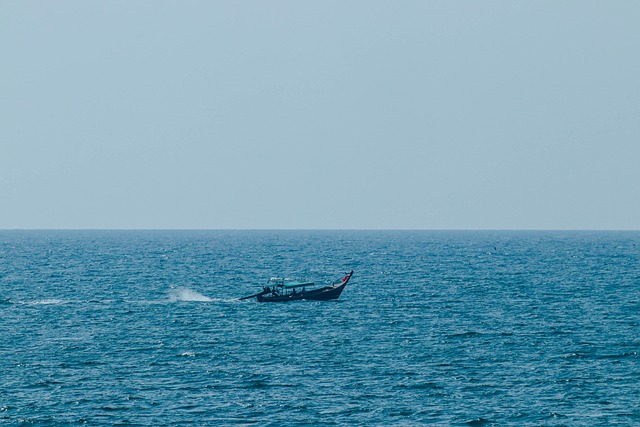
(281, 290)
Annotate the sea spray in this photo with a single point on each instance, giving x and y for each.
(184, 294)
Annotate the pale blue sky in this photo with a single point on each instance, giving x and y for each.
(328, 114)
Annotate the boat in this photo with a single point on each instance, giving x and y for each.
(281, 290)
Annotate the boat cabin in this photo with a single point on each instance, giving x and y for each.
(284, 286)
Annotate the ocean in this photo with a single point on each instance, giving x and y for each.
(445, 328)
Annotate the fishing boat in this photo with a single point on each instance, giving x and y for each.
(281, 290)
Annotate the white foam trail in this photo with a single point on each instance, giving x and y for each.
(183, 294)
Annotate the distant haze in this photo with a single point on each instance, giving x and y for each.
(327, 114)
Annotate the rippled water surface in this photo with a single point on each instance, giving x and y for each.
(435, 328)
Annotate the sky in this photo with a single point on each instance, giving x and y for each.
(320, 115)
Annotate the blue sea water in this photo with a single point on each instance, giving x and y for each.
(144, 328)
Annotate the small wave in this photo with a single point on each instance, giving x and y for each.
(51, 301)
(183, 294)
(478, 422)
(468, 334)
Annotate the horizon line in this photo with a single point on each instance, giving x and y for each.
(329, 229)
